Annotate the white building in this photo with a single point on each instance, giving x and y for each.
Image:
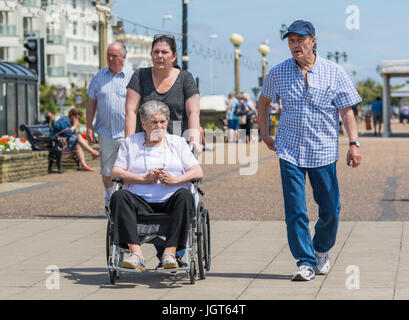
(138, 47)
(71, 38)
(70, 32)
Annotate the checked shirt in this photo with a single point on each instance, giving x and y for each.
(307, 134)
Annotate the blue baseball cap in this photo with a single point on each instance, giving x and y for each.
(300, 27)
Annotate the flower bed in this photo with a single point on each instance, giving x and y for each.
(11, 143)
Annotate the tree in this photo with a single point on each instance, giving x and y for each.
(369, 89)
(48, 98)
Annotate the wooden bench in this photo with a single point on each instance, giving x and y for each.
(40, 138)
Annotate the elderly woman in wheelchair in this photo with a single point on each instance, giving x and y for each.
(156, 169)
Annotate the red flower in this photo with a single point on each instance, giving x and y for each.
(84, 136)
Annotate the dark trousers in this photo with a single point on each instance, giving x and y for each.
(125, 206)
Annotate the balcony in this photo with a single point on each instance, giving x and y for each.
(56, 71)
(54, 39)
(7, 30)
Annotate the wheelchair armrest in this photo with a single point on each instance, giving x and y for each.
(196, 180)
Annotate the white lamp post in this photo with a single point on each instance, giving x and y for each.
(236, 39)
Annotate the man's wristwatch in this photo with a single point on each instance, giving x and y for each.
(355, 143)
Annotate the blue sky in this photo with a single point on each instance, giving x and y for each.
(382, 33)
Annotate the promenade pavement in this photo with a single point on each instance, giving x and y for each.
(57, 221)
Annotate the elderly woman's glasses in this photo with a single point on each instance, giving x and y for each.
(168, 36)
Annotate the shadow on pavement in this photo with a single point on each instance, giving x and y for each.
(393, 135)
(250, 276)
(69, 217)
(99, 277)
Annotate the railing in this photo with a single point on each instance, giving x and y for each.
(56, 71)
(7, 30)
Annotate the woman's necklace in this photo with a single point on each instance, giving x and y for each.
(164, 154)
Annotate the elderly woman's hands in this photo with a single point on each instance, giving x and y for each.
(165, 177)
(151, 177)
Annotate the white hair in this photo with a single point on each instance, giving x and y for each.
(123, 47)
(148, 109)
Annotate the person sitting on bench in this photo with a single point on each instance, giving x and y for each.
(66, 127)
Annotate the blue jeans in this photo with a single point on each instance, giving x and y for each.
(324, 184)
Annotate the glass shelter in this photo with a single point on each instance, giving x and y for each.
(18, 98)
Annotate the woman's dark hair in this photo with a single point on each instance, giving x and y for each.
(75, 112)
(170, 40)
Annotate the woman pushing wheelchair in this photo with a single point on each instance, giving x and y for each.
(156, 169)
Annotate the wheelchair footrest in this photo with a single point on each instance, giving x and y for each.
(174, 270)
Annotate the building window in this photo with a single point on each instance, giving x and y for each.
(3, 18)
(3, 53)
(74, 3)
(75, 53)
(28, 26)
(74, 28)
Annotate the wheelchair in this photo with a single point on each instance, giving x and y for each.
(152, 230)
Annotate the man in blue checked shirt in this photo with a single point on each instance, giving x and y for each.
(107, 94)
(313, 91)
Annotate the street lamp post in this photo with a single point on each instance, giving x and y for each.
(185, 57)
(337, 55)
(236, 40)
(264, 50)
(103, 14)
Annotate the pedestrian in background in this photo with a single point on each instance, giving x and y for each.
(232, 119)
(312, 90)
(107, 94)
(377, 108)
(251, 114)
(244, 109)
(404, 113)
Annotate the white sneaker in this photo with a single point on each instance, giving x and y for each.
(323, 265)
(304, 273)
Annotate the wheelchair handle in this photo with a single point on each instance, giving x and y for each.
(118, 180)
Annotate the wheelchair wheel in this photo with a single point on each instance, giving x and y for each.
(206, 240)
(113, 274)
(109, 241)
(192, 272)
(201, 246)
